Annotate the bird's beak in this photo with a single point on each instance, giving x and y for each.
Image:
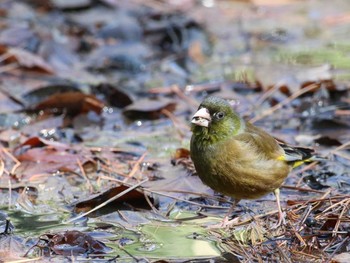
(201, 118)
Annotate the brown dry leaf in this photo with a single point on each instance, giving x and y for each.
(181, 153)
(75, 243)
(134, 198)
(114, 96)
(330, 223)
(48, 155)
(74, 103)
(182, 157)
(34, 142)
(195, 51)
(67, 5)
(328, 141)
(149, 108)
(27, 60)
(38, 94)
(34, 172)
(47, 158)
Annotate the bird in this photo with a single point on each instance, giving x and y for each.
(238, 159)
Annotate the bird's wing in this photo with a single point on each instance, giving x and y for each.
(292, 154)
(259, 142)
(266, 144)
(298, 155)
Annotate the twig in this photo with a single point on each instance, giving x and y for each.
(345, 209)
(122, 216)
(175, 122)
(284, 102)
(14, 159)
(344, 145)
(10, 193)
(85, 176)
(301, 189)
(9, 67)
(268, 93)
(150, 203)
(135, 167)
(170, 208)
(128, 253)
(337, 249)
(179, 92)
(5, 56)
(341, 154)
(305, 216)
(342, 112)
(27, 260)
(276, 211)
(2, 167)
(16, 100)
(332, 206)
(284, 256)
(305, 254)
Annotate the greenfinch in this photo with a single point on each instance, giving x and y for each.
(238, 159)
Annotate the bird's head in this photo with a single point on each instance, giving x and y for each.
(216, 118)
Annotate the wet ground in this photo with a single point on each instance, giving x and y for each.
(95, 104)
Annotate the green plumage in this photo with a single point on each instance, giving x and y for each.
(234, 157)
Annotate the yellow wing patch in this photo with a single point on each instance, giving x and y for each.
(295, 163)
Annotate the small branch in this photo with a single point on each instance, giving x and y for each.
(284, 102)
(85, 176)
(301, 189)
(344, 145)
(345, 209)
(2, 167)
(9, 67)
(176, 122)
(181, 95)
(135, 167)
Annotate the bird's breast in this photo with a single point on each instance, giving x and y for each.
(230, 169)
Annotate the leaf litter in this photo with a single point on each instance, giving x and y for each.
(94, 128)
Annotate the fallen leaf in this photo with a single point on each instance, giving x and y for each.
(114, 96)
(328, 141)
(40, 94)
(149, 108)
(67, 5)
(182, 157)
(28, 60)
(75, 243)
(73, 103)
(34, 142)
(195, 51)
(134, 198)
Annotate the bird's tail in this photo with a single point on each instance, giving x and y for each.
(296, 156)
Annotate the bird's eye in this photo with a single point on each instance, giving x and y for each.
(220, 115)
